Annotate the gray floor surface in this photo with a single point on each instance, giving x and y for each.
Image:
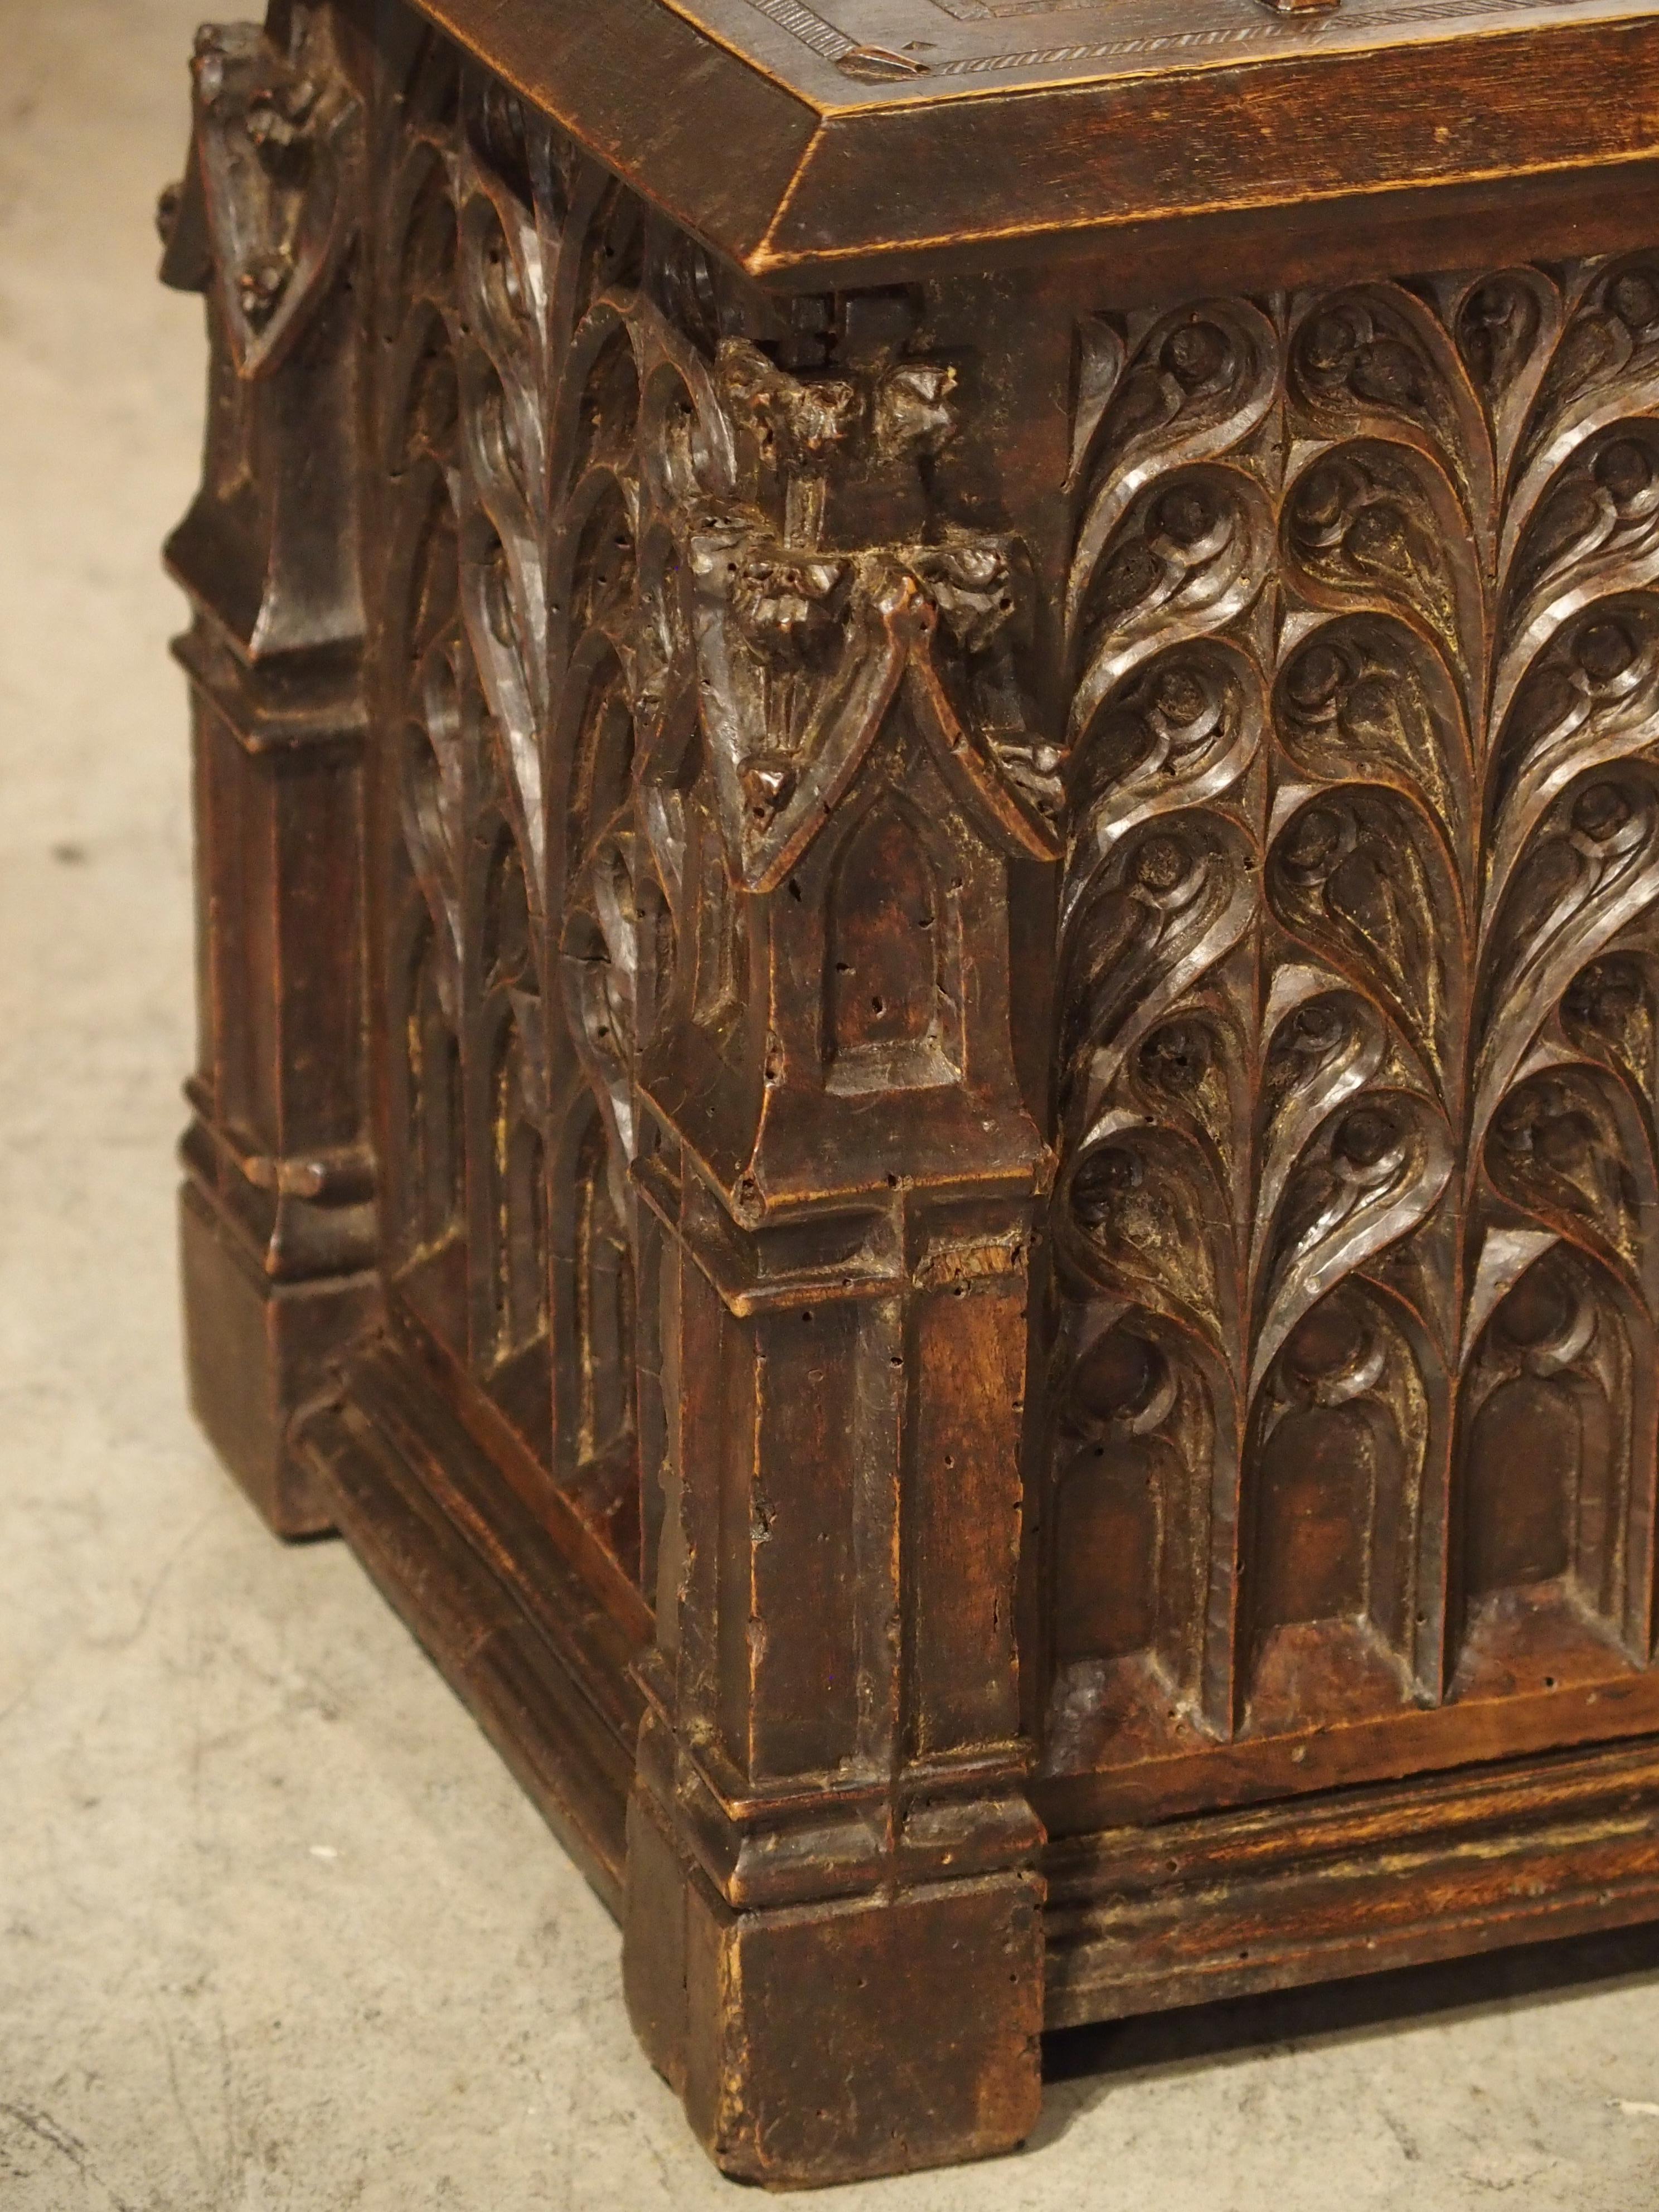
(275, 1930)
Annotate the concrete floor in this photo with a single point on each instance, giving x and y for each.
(275, 1930)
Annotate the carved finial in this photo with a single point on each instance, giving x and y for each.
(264, 210)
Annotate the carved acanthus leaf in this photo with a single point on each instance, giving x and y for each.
(1592, 870)
(1374, 361)
(1186, 558)
(1149, 1220)
(1199, 382)
(1603, 367)
(1380, 522)
(1590, 698)
(1162, 911)
(1359, 875)
(1506, 325)
(1595, 531)
(1365, 697)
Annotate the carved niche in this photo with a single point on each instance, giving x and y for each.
(1354, 1230)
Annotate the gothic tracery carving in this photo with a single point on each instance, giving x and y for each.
(1357, 1081)
(645, 653)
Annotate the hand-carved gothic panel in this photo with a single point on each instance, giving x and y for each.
(693, 679)
(721, 735)
(1362, 818)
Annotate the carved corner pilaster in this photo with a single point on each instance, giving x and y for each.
(840, 1179)
(279, 1226)
(829, 1812)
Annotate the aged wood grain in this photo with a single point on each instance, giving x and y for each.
(930, 993)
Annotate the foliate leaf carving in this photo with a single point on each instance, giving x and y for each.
(1152, 1222)
(1325, 1046)
(1181, 730)
(1357, 873)
(1192, 1073)
(600, 974)
(1160, 915)
(1360, 982)
(434, 794)
(1591, 873)
(1188, 556)
(803, 654)
(1375, 358)
(1599, 503)
(503, 289)
(1363, 697)
(1589, 698)
(1198, 384)
(1572, 1151)
(1369, 1175)
(1379, 522)
(516, 645)
(1604, 365)
(1101, 354)
(1507, 327)
(1595, 531)
(1609, 1012)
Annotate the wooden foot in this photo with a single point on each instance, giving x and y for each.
(839, 2041)
(256, 1352)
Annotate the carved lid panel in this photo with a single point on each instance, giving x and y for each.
(815, 140)
(924, 51)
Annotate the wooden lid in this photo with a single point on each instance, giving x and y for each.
(842, 139)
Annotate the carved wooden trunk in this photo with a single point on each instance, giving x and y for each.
(928, 801)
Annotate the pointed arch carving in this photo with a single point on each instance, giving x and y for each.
(891, 1019)
(1356, 1086)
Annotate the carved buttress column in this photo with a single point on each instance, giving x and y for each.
(843, 778)
(278, 1216)
(709, 762)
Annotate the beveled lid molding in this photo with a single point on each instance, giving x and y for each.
(857, 137)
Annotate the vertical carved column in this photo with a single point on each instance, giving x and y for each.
(278, 1215)
(833, 1938)
(707, 766)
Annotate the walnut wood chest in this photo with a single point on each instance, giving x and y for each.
(927, 794)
